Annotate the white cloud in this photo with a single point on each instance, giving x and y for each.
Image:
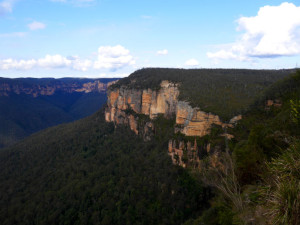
(81, 65)
(273, 32)
(48, 62)
(36, 26)
(6, 6)
(192, 62)
(113, 57)
(7, 64)
(53, 61)
(162, 52)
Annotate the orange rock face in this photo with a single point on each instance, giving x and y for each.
(113, 96)
(165, 101)
(124, 105)
(181, 115)
(200, 124)
(107, 117)
(146, 101)
(193, 121)
(133, 124)
(275, 103)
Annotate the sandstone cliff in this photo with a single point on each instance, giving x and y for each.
(130, 106)
(148, 102)
(123, 105)
(190, 121)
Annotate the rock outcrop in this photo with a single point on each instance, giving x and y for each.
(184, 154)
(129, 107)
(193, 121)
(124, 106)
(190, 121)
(273, 103)
(148, 102)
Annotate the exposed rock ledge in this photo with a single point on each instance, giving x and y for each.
(190, 121)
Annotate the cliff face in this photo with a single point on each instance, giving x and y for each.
(148, 102)
(193, 121)
(124, 104)
(190, 121)
(184, 154)
(7, 88)
(128, 106)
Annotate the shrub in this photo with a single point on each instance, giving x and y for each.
(283, 192)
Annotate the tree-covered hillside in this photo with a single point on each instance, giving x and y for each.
(225, 92)
(258, 181)
(89, 172)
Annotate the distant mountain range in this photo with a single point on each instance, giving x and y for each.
(28, 105)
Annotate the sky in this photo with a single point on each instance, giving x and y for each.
(113, 38)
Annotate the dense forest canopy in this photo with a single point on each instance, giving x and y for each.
(224, 92)
(89, 172)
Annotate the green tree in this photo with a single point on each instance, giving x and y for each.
(295, 110)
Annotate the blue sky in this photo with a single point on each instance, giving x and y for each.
(113, 38)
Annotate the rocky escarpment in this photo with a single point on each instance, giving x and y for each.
(124, 105)
(148, 102)
(189, 121)
(194, 122)
(130, 106)
(36, 89)
(184, 153)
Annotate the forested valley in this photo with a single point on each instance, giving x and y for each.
(94, 172)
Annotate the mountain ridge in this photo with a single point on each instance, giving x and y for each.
(223, 92)
(48, 86)
(28, 105)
